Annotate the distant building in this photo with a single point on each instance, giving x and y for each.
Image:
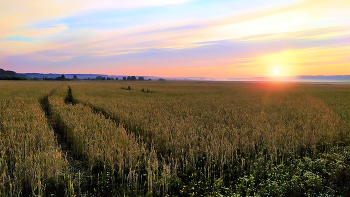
(124, 78)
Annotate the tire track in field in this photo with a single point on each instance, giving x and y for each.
(130, 128)
(75, 164)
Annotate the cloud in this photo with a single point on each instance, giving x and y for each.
(18, 47)
(304, 20)
(219, 59)
(20, 13)
(50, 56)
(284, 20)
(26, 35)
(328, 60)
(232, 43)
(45, 31)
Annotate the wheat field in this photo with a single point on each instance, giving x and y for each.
(156, 138)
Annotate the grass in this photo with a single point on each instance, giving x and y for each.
(191, 138)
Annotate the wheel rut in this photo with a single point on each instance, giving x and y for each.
(76, 165)
(137, 130)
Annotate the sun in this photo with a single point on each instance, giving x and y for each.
(276, 72)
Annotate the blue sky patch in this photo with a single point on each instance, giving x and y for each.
(18, 39)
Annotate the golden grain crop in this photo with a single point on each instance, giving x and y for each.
(29, 153)
(179, 138)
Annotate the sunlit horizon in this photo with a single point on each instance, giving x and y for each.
(186, 38)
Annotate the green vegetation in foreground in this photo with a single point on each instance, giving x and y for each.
(180, 139)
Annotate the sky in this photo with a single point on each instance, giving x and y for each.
(176, 38)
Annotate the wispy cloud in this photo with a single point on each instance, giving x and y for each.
(21, 13)
(83, 34)
(45, 31)
(305, 20)
(220, 59)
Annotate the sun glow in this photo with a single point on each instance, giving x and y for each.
(276, 72)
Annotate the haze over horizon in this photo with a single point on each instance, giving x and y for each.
(183, 38)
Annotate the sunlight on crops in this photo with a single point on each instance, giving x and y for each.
(29, 153)
(174, 138)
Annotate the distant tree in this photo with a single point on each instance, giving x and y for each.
(61, 78)
(161, 79)
(141, 78)
(132, 78)
(124, 78)
(5, 77)
(98, 78)
(75, 77)
(116, 78)
(103, 78)
(48, 79)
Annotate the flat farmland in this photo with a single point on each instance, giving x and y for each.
(162, 138)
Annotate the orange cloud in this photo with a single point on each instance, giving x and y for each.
(13, 47)
(315, 61)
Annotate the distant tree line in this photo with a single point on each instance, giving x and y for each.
(6, 77)
(61, 78)
(75, 78)
(133, 78)
(10, 75)
(105, 78)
